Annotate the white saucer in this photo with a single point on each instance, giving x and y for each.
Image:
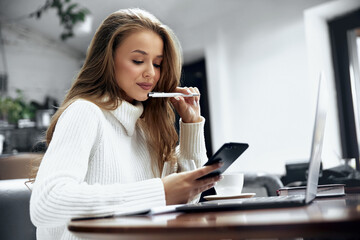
(220, 197)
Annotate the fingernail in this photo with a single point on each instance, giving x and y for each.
(218, 178)
(194, 103)
(177, 98)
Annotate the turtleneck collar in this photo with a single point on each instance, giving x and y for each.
(128, 114)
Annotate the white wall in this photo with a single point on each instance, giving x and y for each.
(267, 67)
(258, 79)
(319, 57)
(37, 65)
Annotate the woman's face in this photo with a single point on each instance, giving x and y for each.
(137, 64)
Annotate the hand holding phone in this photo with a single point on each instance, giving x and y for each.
(227, 154)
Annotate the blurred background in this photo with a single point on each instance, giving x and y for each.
(257, 64)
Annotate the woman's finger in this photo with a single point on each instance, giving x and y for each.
(208, 181)
(183, 90)
(203, 188)
(205, 170)
(197, 99)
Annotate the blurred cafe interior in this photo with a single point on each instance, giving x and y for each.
(256, 64)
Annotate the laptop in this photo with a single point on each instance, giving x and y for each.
(281, 201)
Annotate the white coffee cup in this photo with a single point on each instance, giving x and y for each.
(231, 184)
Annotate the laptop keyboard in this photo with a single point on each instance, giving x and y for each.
(245, 203)
(272, 200)
(275, 198)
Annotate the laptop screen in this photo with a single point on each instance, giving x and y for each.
(317, 141)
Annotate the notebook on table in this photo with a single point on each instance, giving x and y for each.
(288, 200)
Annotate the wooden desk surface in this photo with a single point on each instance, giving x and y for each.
(327, 217)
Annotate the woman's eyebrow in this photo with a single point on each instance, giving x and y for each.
(144, 53)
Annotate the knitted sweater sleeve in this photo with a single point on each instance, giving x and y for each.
(191, 145)
(60, 192)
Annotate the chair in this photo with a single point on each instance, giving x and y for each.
(15, 166)
(14, 211)
(262, 184)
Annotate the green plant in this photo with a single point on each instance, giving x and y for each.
(68, 13)
(13, 109)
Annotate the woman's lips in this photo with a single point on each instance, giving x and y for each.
(145, 86)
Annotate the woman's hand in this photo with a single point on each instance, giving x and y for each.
(188, 108)
(183, 187)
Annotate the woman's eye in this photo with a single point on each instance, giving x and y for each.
(157, 65)
(137, 62)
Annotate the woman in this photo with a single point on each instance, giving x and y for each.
(109, 144)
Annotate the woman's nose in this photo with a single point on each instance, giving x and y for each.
(149, 71)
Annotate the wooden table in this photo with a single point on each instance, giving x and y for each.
(327, 217)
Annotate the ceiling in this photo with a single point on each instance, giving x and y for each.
(179, 15)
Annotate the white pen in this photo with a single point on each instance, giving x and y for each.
(174, 94)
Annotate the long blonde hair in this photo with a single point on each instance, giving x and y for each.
(96, 80)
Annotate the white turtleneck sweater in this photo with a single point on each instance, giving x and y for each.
(98, 163)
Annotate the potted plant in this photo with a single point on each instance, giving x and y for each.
(14, 109)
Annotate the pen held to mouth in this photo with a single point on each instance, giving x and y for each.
(163, 94)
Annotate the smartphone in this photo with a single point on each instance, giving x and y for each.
(227, 154)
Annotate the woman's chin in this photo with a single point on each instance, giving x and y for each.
(142, 98)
